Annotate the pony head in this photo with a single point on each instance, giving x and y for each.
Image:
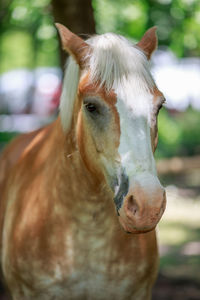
(112, 101)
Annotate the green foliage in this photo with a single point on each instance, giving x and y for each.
(178, 133)
(27, 35)
(20, 54)
(124, 17)
(178, 21)
(190, 124)
(5, 138)
(28, 39)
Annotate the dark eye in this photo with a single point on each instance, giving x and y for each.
(90, 107)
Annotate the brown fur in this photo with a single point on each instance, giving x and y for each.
(51, 194)
(149, 42)
(74, 45)
(60, 234)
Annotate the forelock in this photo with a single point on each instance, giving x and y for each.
(114, 61)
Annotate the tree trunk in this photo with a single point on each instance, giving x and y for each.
(77, 15)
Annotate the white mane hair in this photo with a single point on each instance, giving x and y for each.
(116, 64)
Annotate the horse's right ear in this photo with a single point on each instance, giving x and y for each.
(73, 44)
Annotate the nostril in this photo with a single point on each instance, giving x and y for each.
(132, 205)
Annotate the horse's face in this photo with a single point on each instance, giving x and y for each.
(98, 131)
(117, 134)
(117, 143)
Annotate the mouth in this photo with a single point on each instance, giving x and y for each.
(133, 230)
(121, 190)
(140, 231)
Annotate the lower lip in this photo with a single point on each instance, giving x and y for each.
(135, 230)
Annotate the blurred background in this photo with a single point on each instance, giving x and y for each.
(31, 70)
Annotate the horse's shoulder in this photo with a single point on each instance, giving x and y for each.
(18, 146)
(12, 160)
(13, 151)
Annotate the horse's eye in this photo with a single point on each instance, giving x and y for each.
(90, 107)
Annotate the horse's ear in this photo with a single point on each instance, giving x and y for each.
(149, 42)
(73, 44)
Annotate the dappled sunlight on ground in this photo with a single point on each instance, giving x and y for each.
(179, 245)
(179, 239)
(179, 235)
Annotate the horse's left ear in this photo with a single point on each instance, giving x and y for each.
(73, 44)
(149, 42)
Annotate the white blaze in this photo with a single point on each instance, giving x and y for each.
(135, 140)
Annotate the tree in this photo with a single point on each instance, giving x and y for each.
(77, 15)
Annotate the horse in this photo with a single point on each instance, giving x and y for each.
(80, 197)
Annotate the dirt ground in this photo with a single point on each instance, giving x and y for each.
(175, 289)
(179, 235)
